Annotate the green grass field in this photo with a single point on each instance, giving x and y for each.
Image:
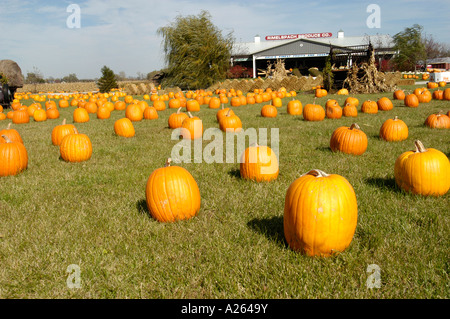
(93, 214)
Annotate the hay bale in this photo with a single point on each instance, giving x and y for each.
(12, 72)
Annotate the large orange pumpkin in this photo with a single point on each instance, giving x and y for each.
(423, 171)
(320, 214)
(259, 163)
(349, 140)
(13, 157)
(394, 130)
(172, 194)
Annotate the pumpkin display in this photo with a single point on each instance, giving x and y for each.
(230, 122)
(259, 163)
(411, 100)
(12, 134)
(349, 110)
(438, 120)
(192, 127)
(80, 115)
(124, 127)
(172, 194)
(349, 140)
(269, 110)
(333, 109)
(62, 130)
(150, 113)
(313, 112)
(369, 107)
(320, 214)
(294, 107)
(13, 157)
(75, 147)
(385, 104)
(177, 118)
(424, 171)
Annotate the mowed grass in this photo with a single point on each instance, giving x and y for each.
(93, 214)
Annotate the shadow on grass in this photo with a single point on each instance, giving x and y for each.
(271, 227)
(235, 172)
(383, 183)
(324, 149)
(141, 206)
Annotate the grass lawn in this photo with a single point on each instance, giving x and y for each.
(93, 214)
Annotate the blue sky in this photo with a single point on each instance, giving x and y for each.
(122, 34)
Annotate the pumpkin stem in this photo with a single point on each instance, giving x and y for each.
(179, 109)
(317, 173)
(419, 146)
(169, 160)
(190, 115)
(355, 126)
(64, 122)
(228, 113)
(6, 139)
(9, 126)
(396, 118)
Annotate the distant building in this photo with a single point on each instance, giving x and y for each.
(303, 51)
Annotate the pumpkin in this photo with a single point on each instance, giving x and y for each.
(394, 130)
(320, 214)
(75, 147)
(442, 83)
(13, 157)
(2, 116)
(313, 112)
(192, 106)
(52, 113)
(349, 110)
(370, 107)
(134, 113)
(351, 101)
(103, 112)
(80, 115)
(20, 117)
(349, 140)
(150, 113)
(235, 101)
(432, 85)
(172, 194)
(60, 131)
(12, 134)
(124, 127)
(321, 92)
(423, 95)
(438, 120)
(423, 171)
(174, 103)
(192, 127)
(177, 118)
(411, 100)
(230, 122)
(385, 104)
(222, 112)
(438, 95)
(294, 107)
(342, 92)
(333, 110)
(269, 110)
(399, 95)
(447, 94)
(91, 107)
(214, 103)
(159, 105)
(277, 102)
(259, 163)
(120, 105)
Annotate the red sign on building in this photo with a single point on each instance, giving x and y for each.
(299, 36)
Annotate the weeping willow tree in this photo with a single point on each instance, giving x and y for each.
(196, 53)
